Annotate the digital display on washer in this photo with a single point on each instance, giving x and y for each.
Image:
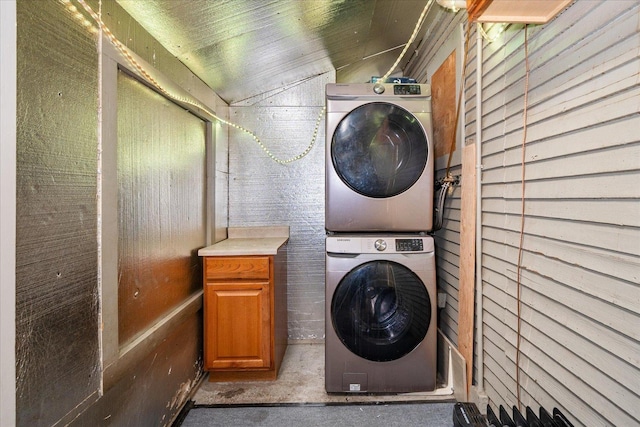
(406, 89)
(409, 245)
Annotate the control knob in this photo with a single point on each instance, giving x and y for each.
(378, 88)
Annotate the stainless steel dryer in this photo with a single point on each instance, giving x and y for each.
(380, 323)
(379, 151)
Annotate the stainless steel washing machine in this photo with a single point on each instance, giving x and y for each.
(379, 158)
(380, 325)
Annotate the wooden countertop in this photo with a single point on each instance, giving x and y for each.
(249, 241)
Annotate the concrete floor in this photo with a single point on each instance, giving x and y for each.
(301, 380)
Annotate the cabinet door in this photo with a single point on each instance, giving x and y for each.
(237, 325)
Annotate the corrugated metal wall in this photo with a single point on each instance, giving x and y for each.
(263, 192)
(580, 297)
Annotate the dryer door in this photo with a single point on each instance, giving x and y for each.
(381, 310)
(379, 150)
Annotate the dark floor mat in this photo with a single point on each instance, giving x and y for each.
(369, 415)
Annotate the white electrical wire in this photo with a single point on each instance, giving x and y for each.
(147, 76)
(411, 39)
(138, 67)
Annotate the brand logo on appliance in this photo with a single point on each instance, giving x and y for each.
(343, 240)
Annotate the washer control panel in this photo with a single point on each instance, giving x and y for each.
(409, 245)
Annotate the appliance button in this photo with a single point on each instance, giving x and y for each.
(380, 245)
(378, 88)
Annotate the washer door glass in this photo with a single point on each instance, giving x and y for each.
(381, 310)
(379, 150)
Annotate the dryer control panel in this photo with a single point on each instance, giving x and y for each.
(406, 90)
(409, 245)
(377, 244)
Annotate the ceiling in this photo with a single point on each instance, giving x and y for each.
(243, 48)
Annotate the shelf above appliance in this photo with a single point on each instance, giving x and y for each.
(515, 11)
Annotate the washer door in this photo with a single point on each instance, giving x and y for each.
(379, 150)
(381, 310)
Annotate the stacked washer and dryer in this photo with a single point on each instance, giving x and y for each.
(381, 329)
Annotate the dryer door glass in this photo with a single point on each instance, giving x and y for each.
(379, 150)
(381, 310)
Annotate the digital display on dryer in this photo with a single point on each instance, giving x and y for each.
(406, 89)
(409, 245)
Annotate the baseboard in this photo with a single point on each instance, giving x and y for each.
(450, 358)
(306, 341)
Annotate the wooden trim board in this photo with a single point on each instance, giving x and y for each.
(466, 288)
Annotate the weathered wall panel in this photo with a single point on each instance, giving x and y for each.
(57, 343)
(59, 372)
(161, 181)
(263, 192)
(149, 397)
(8, 122)
(165, 181)
(139, 41)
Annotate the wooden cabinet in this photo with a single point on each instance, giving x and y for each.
(245, 316)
